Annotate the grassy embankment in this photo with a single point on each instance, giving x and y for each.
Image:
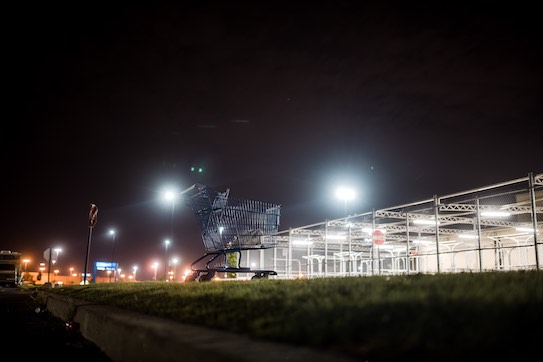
(445, 316)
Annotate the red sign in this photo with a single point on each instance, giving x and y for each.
(378, 237)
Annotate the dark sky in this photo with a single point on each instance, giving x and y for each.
(280, 101)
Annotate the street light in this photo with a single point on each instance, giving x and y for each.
(54, 260)
(155, 266)
(134, 270)
(166, 244)
(112, 233)
(169, 196)
(57, 251)
(26, 262)
(345, 194)
(175, 261)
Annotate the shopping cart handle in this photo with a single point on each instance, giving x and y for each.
(199, 186)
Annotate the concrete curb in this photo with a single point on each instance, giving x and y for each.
(128, 336)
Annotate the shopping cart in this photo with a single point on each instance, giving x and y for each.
(229, 225)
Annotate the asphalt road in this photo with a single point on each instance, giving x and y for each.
(29, 331)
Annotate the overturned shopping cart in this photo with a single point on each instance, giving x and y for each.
(229, 225)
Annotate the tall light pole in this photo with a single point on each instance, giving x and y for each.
(52, 260)
(134, 270)
(166, 244)
(175, 261)
(26, 262)
(345, 194)
(57, 252)
(112, 233)
(169, 196)
(155, 266)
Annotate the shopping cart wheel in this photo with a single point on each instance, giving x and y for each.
(191, 277)
(260, 276)
(206, 277)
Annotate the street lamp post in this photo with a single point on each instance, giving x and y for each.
(166, 244)
(155, 266)
(345, 194)
(170, 196)
(112, 233)
(25, 261)
(175, 261)
(134, 270)
(57, 251)
(52, 260)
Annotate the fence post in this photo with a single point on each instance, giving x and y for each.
(407, 246)
(289, 256)
(326, 248)
(436, 216)
(479, 234)
(373, 246)
(534, 216)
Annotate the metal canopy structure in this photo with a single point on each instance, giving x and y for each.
(496, 227)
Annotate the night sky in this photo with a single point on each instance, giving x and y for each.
(280, 101)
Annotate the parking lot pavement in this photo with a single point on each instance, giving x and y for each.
(30, 331)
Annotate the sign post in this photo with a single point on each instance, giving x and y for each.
(378, 238)
(93, 214)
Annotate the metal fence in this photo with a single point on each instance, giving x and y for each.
(497, 227)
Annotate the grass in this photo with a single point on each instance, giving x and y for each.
(426, 317)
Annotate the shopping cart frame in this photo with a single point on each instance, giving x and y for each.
(230, 225)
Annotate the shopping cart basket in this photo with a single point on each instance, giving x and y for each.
(229, 225)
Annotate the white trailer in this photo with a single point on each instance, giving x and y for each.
(11, 272)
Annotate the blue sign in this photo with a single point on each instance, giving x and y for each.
(106, 265)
